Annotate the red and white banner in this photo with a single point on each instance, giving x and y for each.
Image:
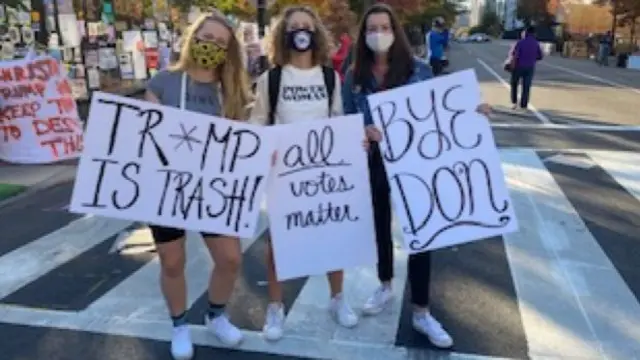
(39, 120)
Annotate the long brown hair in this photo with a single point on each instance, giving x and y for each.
(234, 81)
(280, 54)
(400, 56)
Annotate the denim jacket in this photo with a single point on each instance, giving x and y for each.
(354, 98)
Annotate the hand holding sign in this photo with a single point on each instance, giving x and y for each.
(442, 163)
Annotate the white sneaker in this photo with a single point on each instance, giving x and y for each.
(378, 301)
(181, 345)
(274, 322)
(426, 324)
(342, 312)
(224, 330)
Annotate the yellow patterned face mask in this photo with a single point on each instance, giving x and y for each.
(207, 54)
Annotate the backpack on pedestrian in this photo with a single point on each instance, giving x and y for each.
(274, 78)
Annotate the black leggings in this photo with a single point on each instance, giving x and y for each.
(419, 264)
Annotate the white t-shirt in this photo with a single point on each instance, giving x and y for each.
(303, 96)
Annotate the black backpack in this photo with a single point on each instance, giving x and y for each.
(274, 78)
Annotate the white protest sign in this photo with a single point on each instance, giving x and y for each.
(165, 166)
(39, 120)
(319, 198)
(442, 163)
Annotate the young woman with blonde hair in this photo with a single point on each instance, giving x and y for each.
(209, 78)
(300, 87)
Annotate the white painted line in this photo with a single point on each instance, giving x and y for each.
(29, 262)
(139, 296)
(565, 293)
(308, 315)
(290, 345)
(622, 166)
(542, 117)
(592, 77)
(575, 161)
(569, 127)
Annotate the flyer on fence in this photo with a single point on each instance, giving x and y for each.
(165, 166)
(442, 163)
(39, 120)
(319, 198)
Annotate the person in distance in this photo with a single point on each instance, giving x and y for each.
(209, 78)
(299, 50)
(381, 38)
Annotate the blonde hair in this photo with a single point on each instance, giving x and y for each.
(280, 54)
(232, 73)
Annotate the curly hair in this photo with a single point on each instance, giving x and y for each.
(234, 81)
(280, 54)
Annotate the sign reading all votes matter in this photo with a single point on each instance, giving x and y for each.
(165, 166)
(319, 198)
(442, 163)
(38, 117)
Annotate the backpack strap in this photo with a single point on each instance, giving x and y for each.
(330, 82)
(274, 77)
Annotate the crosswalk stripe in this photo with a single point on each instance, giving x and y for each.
(611, 215)
(139, 296)
(542, 282)
(623, 166)
(559, 267)
(77, 283)
(37, 258)
(555, 266)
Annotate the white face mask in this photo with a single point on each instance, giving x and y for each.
(380, 42)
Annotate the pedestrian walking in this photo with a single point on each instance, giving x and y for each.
(209, 78)
(437, 42)
(522, 64)
(606, 42)
(300, 52)
(380, 39)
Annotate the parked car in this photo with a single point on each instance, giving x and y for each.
(479, 38)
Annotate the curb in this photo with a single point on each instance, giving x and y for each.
(53, 179)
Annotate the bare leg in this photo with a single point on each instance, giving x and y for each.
(274, 286)
(227, 256)
(172, 279)
(336, 279)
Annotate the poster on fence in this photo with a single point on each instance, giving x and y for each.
(319, 198)
(39, 120)
(165, 166)
(442, 163)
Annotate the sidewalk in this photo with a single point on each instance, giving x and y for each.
(17, 180)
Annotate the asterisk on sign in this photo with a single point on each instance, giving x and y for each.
(186, 137)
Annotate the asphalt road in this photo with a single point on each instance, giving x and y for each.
(565, 286)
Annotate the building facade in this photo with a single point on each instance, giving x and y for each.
(475, 12)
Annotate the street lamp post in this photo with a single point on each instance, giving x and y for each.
(261, 17)
(262, 22)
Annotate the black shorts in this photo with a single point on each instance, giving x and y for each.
(162, 235)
